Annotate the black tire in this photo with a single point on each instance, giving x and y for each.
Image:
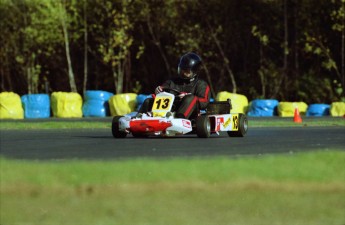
(115, 128)
(243, 127)
(203, 127)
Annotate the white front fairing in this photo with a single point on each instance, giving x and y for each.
(160, 122)
(179, 126)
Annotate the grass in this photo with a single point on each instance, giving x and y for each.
(303, 188)
(89, 123)
(288, 122)
(72, 124)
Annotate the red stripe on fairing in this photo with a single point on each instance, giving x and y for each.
(192, 104)
(142, 126)
(205, 99)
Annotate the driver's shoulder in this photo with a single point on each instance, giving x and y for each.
(201, 83)
(168, 83)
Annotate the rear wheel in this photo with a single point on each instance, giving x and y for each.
(242, 127)
(203, 126)
(115, 128)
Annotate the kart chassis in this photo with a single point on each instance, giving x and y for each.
(162, 122)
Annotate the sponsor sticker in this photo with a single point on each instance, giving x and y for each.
(227, 122)
(186, 123)
(220, 121)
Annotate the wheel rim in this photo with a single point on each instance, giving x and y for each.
(245, 125)
(208, 126)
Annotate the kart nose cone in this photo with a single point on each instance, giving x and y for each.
(144, 126)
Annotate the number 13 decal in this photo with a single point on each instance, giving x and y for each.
(235, 122)
(162, 103)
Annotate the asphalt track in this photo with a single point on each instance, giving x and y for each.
(99, 143)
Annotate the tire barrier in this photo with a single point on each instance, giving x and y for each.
(263, 107)
(318, 110)
(36, 106)
(96, 103)
(337, 109)
(66, 105)
(102, 103)
(140, 100)
(287, 109)
(11, 106)
(122, 104)
(239, 102)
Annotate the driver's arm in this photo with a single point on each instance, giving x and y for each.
(168, 84)
(203, 93)
(160, 88)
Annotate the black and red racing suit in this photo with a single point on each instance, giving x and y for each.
(189, 105)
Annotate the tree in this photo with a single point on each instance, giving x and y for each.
(65, 20)
(289, 49)
(322, 41)
(115, 40)
(189, 36)
(338, 17)
(30, 35)
(47, 24)
(10, 24)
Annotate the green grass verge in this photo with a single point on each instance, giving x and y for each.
(30, 125)
(106, 123)
(303, 188)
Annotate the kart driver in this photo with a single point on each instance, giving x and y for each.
(194, 92)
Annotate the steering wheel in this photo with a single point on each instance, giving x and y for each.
(176, 92)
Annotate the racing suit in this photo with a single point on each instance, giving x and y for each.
(190, 104)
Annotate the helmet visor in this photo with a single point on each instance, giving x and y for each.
(185, 73)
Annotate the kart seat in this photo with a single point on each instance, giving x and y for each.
(219, 107)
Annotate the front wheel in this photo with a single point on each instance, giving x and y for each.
(203, 126)
(242, 127)
(115, 128)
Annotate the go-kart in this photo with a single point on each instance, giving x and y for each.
(161, 120)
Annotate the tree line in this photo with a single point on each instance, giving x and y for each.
(291, 50)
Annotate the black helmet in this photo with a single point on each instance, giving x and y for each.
(189, 63)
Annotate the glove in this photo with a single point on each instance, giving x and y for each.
(158, 90)
(183, 94)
